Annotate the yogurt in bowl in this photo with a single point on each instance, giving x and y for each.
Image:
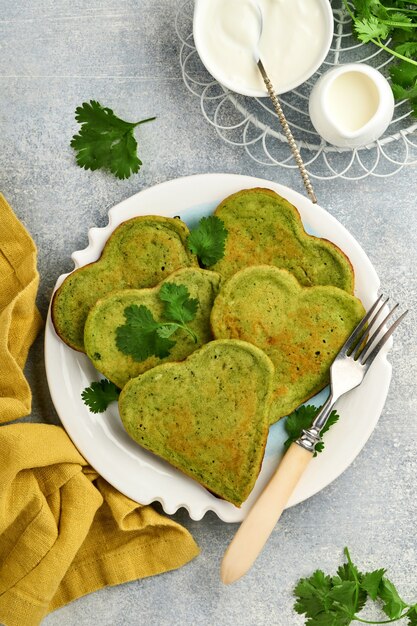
(296, 36)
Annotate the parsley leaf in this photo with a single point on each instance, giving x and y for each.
(337, 600)
(99, 395)
(207, 241)
(302, 418)
(105, 141)
(142, 336)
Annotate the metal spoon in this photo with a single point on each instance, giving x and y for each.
(281, 116)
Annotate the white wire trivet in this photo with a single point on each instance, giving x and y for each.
(253, 124)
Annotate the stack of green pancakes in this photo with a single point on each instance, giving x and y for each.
(271, 316)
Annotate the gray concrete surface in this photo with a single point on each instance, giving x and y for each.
(54, 56)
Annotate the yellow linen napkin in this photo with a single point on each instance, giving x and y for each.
(64, 531)
(19, 318)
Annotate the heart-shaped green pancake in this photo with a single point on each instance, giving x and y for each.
(265, 229)
(300, 328)
(207, 416)
(108, 314)
(140, 253)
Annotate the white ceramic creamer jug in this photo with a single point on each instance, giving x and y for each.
(351, 105)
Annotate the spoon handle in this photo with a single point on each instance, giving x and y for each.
(288, 133)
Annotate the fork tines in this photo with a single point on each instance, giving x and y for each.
(361, 343)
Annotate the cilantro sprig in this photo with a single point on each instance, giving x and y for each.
(392, 26)
(99, 395)
(143, 336)
(404, 82)
(207, 241)
(301, 419)
(336, 600)
(106, 141)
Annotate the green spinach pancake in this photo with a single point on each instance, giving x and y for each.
(140, 253)
(300, 328)
(265, 229)
(108, 314)
(206, 416)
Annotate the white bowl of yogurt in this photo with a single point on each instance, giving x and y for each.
(296, 37)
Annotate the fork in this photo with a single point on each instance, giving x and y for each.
(346, 372)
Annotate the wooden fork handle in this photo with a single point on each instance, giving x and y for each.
(262, 517)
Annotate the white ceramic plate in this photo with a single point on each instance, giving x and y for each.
(137, 473)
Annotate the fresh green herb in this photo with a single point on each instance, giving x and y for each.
(301, 419)
(394, 20)
(371, 28)
(207, 241)
(404, 83)
(178, 306)
(337, 600)
(99, 395)
(105, 141)
(142, 336)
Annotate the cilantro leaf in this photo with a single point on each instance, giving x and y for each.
(123, 156)
(323, 602)
(402, 94)
(166, 330)
(412, 616)
(345, 595)
(302, 418)
(178, 306)
(142, 336)
(349, 571)
(371, 582)
(106, 141)
(371, 28)
(400, 20)
(311, 594)
(365, 7)
(407, 49)
(337, 600)
(404, 83)
(99, 118)
(374, 21)
(393, 605)
(298, 420)
(207, 241)
(139, 337)
(404, 74)
(99, 395)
